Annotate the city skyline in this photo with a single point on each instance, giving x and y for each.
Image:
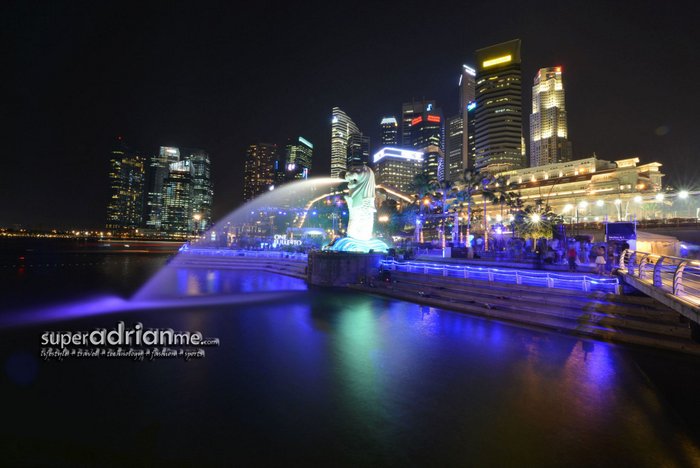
(617, 103)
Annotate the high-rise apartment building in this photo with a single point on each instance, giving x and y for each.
(409, 111)
(390, 131)
(499, 143)
(126, 178)
(549, 135)
(158, 171)
(202, 188)
(395, 168)
(177, 216)
(342, 127)
(358, 150)
(258, 174)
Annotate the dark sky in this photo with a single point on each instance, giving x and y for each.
(222, 76)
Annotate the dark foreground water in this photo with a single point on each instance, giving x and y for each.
(333, 378)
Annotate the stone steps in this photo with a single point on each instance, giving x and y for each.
(608, 317)
(284, 266)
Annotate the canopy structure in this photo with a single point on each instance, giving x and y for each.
(658, 244)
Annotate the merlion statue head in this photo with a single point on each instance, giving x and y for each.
(360, 182)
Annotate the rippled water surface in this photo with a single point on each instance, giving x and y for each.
(330, 377)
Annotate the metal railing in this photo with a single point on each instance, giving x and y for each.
(675, 275)
(299, 256)
(572, 281)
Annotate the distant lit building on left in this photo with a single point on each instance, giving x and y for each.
(259, 172)
(126, 179)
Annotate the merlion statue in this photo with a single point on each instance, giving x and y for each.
(361, 211)
(360, 200)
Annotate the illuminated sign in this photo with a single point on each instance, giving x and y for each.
(429, 108)
(433, 118)
(281, 239)
(497, 60)
(389, 120)
(306, 142)
(398, 153)
(417, 120)
(471, 105)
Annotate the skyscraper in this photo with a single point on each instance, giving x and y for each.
(390, 131)
(499, 108)
(126, 177)
(202, 188)
(342, 127)
(258, 175)
(158, 171)
(427, 132)
(409, 111)
(549, 142)
(358, 150)
(299, 156)
(467, 89)
(454, 146)
(177, 216)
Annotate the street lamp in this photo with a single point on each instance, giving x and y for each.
(683, 194)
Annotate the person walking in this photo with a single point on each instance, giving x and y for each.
(600, 261)
(571, 257)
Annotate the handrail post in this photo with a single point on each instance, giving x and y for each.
(642, 268)
(678, 279)
(658, 282)
(630, 262)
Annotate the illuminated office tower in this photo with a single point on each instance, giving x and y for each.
(467, 90)
(158, 171)
(395, 168)
(342, 127)
(409, 111)
(298, 159)
(471, 134)
(202, 188)
(126, 177)
(454, 130)
(390, 131)
(549, 142)
(177, 216)
(358, 150)
(499, 144)
(258, 174)
(427, 131)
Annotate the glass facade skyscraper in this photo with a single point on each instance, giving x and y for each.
(454, 130)
(389, 131)
(202, 188)
(409, 111)
(176, 213)
(499, 133)
(549, 135)
(358, 150)
(428, 131)
(158, 171)
(298, 160)
(395, 167)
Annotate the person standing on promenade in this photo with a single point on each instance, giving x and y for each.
(600, 261)
(571, 257)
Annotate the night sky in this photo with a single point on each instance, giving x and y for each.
(222, 76)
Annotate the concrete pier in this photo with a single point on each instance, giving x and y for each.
(341, 268)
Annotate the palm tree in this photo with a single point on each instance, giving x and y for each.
(496, 191)
(469, 184)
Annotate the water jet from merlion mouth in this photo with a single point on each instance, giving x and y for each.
(290, 220)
